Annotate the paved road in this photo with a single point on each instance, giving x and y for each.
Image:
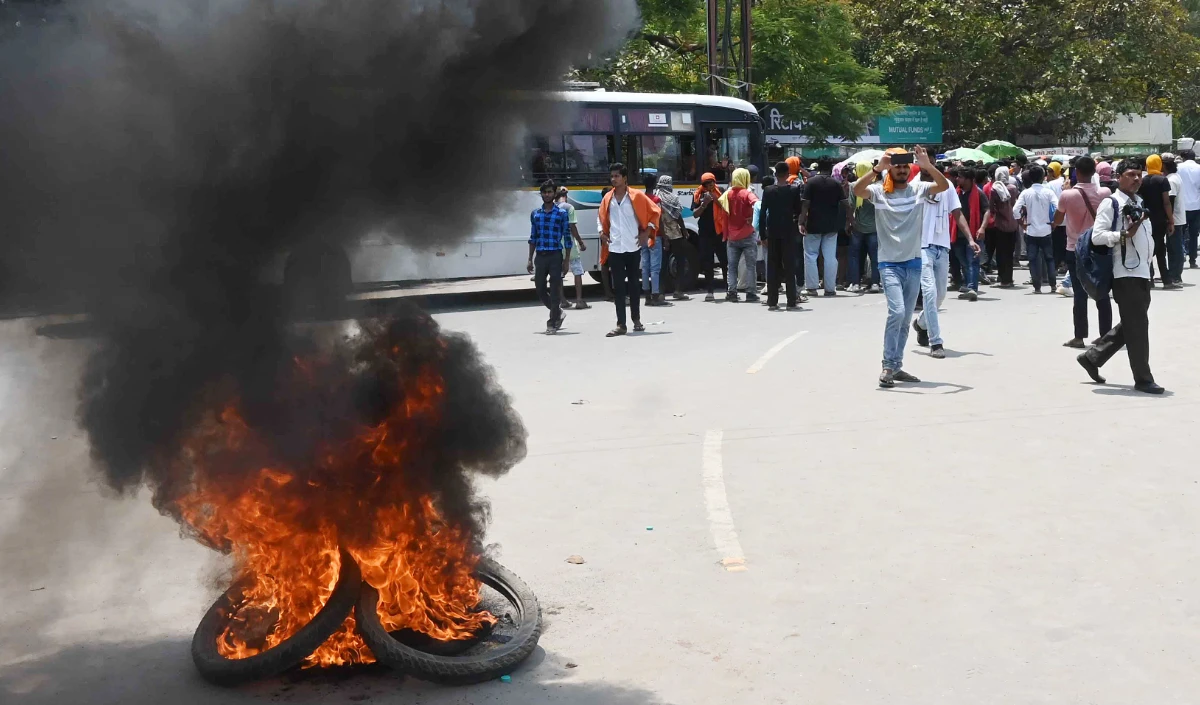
(1003, 533)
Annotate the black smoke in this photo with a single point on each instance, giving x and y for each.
(160, 157)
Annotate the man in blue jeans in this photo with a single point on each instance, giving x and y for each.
(936, 233)
(899, 216)
(1189, 193)
(821, 218)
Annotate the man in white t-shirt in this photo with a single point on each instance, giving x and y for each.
(1189, 191)
(940, 210)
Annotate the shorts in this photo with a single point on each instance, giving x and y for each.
(577, 267)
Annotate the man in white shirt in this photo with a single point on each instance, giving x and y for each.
(1189, 177)
(1033, 212)
(1128, 235)
(628, 219)
(940, 208)
(1176, 240)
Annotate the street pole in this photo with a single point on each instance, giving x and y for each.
(712, 47)
(747, 89)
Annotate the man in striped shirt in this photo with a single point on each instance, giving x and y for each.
(549, 237)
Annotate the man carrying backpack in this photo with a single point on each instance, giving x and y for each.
(1077, 210)
(1123, 226)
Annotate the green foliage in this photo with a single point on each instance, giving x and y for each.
(1049, 67)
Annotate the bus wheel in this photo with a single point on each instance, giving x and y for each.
(316, 279)
(691, 264)
(595, 275)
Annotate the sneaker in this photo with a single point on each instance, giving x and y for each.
(922, 334)
(963, 294)
(1148, 388)
(710, 297)
(774, 307)
(902, 376)
(972, 295)
(793, 307)
(802, 298)
(1064, 291)
(937, 352)
(1076, 343)
(551, 330)
(886, 378)
(875, 289)
(855, 289)
(752, 298)
(831, 293)
(681, 297)
(558, 326)
(841, 287)
(811, 292)
(1091, 368)
(731, 298)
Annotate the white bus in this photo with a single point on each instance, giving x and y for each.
(680, 135)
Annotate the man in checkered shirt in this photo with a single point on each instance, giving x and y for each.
(549, 237)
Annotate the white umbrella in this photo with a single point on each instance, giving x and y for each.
(866, 155)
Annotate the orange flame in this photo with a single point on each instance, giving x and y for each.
(284, 526)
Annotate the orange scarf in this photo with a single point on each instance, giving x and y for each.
(793, 169)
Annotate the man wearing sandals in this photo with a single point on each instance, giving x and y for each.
(628, 218)
(899, 215)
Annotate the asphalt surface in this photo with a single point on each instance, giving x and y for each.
(1004, 532)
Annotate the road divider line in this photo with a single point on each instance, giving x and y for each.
(762, 361)
(720, 519)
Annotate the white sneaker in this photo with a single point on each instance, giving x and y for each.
(855, 288)
(875, 289)
(1064, 291)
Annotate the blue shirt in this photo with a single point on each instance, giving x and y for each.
(550, 230)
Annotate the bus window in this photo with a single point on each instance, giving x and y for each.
(586, 158)
(673, 155)
(543, 160)
(726, 149)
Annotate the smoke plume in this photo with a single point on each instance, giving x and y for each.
(160, 156)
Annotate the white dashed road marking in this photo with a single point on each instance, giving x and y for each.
(720, 519)
(762, 361)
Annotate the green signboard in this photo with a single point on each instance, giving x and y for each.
(912, 124)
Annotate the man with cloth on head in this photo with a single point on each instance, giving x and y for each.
(899, 215)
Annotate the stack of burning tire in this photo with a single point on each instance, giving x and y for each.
(491, 652)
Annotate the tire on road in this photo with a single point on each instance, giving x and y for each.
(508, 644)
(691, 267)
(289, 653)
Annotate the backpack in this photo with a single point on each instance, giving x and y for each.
(1094, 263)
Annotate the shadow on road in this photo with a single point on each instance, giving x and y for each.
(161, 672)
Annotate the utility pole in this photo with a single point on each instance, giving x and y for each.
(723, 73)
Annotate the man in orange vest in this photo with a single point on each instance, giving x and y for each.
(628, 222)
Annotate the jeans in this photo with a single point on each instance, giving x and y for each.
(901, 286)
(781, 262)
(547, 279)
(624, 268)
(859, 241)
(1193, 229)
(736, 249)
(652, 266)
(1175, 255)
(1041, 260)
(968, 263)
(824, 244)
(935, 268)
(710, 246)
(1133, 332)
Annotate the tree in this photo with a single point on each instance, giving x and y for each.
(802, 57)
(1059, 68)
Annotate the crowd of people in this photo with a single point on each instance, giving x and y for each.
(904, 225)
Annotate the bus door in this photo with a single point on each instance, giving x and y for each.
(727, 146)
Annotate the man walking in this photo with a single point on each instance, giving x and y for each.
(1033, 211)
(943, 221)
(899, 212)
(628, 218)
(1126, 230)
(1155, 194)
(1189, 177)
(549, 237)
(1175, 241)
(821, 218)
(573, 257)
(974, 205)
(781, 205)
(1077, 211)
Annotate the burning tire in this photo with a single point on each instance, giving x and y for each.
(509, 642)
(289, 653)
